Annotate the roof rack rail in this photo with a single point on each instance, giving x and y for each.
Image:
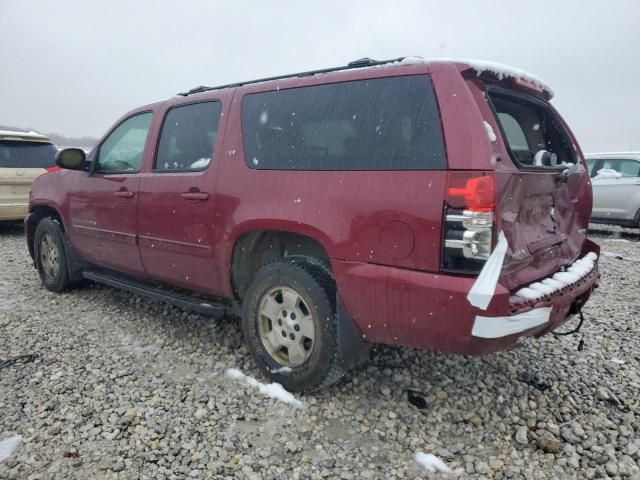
(360, 63)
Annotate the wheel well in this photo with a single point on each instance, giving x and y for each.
(254, 249)
(34, 218)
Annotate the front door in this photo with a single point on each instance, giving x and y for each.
(103, 205)
(176, 219)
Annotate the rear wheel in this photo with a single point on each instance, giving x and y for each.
(289, 322)
(50, 255)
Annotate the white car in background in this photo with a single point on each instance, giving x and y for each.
(615, 178)
(24, 156)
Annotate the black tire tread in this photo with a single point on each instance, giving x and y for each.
(320, 274)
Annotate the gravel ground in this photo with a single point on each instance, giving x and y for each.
(128, 388)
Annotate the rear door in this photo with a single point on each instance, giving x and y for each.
(616, 182)
(103, 205)
(176, 220)
(542, 184)
(21, 162)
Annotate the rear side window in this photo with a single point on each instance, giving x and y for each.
(376, 124)
(188, 137)
(17, 154)
(591, 164)
(532, 132)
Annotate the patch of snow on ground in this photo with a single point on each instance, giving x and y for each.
(431, 463)
(273, 390)
(619, 361)
(8, 446)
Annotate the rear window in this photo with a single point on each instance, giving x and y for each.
(533, 133)
(376, 124)
(17, 154)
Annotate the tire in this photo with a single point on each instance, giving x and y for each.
(301, 352)
(50, 255)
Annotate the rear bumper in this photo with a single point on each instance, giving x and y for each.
(431, 311)
(13, 211)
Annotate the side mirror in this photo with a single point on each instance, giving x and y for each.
(71, 159)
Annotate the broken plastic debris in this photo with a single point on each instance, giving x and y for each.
(484, 287)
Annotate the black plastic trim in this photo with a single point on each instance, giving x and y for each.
(151, 291)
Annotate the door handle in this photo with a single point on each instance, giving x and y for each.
(195, 196)
(123, 194)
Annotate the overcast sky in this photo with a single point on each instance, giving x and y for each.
(75, 66)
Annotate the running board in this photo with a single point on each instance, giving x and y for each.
(156, 293)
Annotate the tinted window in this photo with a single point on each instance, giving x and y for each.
(188, 136)
(26, 154)
(377, 124)
(123, 148)
(626, 168)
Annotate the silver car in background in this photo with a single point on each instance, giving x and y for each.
(616, 188)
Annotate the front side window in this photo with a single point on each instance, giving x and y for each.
(376, 124)
(533, 134)
(122, 151)
(188, 137)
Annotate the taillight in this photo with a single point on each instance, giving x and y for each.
(52, 169)
(468, 221)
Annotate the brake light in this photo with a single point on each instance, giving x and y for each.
(52, 169)
(478, 193)
(468, 221)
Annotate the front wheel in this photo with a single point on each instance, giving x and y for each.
(289, 322)
(50, 255)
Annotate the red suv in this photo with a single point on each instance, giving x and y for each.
(439, 205)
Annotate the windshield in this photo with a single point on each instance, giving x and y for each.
(17, 154)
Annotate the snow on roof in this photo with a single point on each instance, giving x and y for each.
(500, 70)
(31, 134)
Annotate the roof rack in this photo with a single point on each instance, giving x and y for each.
(360, 63)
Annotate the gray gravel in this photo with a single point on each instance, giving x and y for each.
(129, 388)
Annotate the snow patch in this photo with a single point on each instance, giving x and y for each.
(616, 360)
(432, 464)
(490, 133)
(8, 446)
(273, 390)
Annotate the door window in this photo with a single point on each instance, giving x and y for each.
(626, 168)
(122, 151)
(188, 137)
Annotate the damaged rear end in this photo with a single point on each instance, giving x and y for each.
(541, 205)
